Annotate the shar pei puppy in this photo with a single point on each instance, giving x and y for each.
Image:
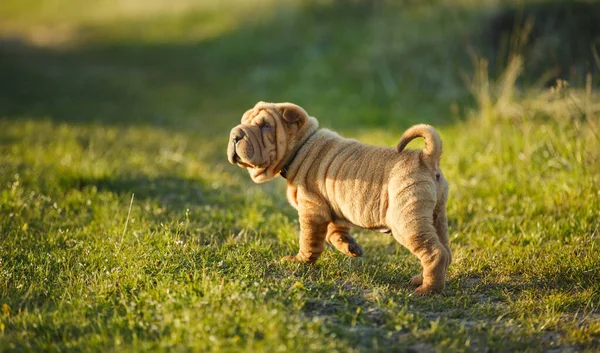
(336, 183)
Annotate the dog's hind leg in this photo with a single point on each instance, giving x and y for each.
(340, 238)
(440, 222)
(413, 227)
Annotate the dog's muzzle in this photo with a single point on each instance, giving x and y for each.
(238, 144)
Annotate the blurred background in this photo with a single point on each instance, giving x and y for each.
(198, 64)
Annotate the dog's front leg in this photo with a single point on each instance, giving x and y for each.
(312, 239)
(313, 229)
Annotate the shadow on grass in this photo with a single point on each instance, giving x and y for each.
(167, 190)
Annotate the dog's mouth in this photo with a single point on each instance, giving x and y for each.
(255, 170)
(234, 158)
(244, 165)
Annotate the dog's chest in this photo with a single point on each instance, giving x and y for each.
(292, 196)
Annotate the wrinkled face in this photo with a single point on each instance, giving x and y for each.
(268, 133)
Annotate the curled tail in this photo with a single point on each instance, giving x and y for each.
(433, 143)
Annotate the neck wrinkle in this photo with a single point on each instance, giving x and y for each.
(284, 171)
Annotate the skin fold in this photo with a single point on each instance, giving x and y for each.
(337, 183)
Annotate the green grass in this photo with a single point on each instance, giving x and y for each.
(131, 106)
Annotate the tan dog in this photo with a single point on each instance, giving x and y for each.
(335, 183)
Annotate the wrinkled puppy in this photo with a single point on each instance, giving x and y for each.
(336, 183)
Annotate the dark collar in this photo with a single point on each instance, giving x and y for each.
(284, 170)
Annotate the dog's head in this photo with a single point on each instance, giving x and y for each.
(268, 137)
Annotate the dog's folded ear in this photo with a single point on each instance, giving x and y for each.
(292, 113)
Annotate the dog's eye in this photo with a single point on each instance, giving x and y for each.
(265, 125)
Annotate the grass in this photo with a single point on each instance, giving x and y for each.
(123, 227)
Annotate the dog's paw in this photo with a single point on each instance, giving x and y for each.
(417, 280)
(354, 250)
(427, 290)
(346, 245)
